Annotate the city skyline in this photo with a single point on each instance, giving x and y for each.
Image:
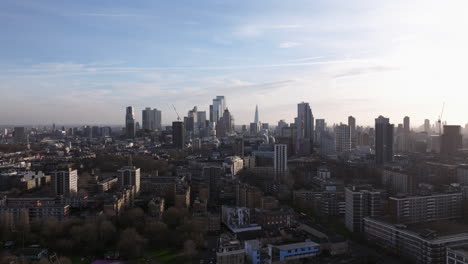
(79, 62)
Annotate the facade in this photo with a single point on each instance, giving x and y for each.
(419, 245)
(287, 252)
(451, 141)
(352, 131)
(29, 209)
(396, 182)
(178, 134)
(383, 140)
(151, 119)
(305, 129)
(65, 182)
(129, 176)
(342, 138)
(425, 208)
(280, 161)
(457, 255)
(361, 202)
(19, 135)
(130, 123)
(325, 203)
(218, 107)
(230, 252)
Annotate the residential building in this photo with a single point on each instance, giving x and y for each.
(65, 182)
(129, 176)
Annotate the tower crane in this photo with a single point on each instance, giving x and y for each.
(175, 110)
(439, 121)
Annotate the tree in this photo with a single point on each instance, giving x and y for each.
(156, 233)
(173, 217)
(190, 248)
(131, 244)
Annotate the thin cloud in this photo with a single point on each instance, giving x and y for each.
(286, 45)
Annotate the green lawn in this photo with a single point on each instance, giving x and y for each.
(164, 256)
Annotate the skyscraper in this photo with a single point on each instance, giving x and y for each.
(451, 141)
(19, 135)
(65, 182)
(427, 126)
(342, 138)
(219, 105)
(406, 124)
(178, 134)
(151, 119)
(305, 127)
(201, 119)
(256, 120)
(383, 140)
(352, 130)
(130, 124)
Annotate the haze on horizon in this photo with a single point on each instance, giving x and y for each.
(83, 62)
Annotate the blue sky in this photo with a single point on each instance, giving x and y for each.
(84, 61)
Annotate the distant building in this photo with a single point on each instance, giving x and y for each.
(129, 176)
(178, 134)
(383, 140)
(280, 158)
(352, 131)
(451, 141)
(19, 135)
(218, 107)
(342, 138)
(65, 182)
(406, 124)
(305, 129)
(396, 182)
(151, 119)
(130, 123)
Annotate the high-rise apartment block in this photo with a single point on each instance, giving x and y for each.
(129, 176)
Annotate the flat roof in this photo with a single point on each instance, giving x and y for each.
(297, 245)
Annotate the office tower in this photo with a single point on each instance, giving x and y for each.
(352, 129)
(320, 127)
(106, 131)
(225, 124)
(65, 182)
(383, 140)
(305, 128)
(219, 105)
(201, 119)
(280, 162)
(19, 135)
(178, 134)
(192, 120)
(427, 126)
(279, 128)
(451, 141)
(130, 124)
(213, 175)
(151, 119)
(342, 138)
(254, 128)
(96, 132)
(211, 113)
(361, 202)
(129, 176)
(256, 120)
(406, 124)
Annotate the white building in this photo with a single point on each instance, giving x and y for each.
(65, 182)
(129, 176)
(342, 138)
(151, 119)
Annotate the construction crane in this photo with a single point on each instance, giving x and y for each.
(439, 121)
(175, 110)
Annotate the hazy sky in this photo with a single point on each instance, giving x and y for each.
(69, 61)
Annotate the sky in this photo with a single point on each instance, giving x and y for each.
(83, 62)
